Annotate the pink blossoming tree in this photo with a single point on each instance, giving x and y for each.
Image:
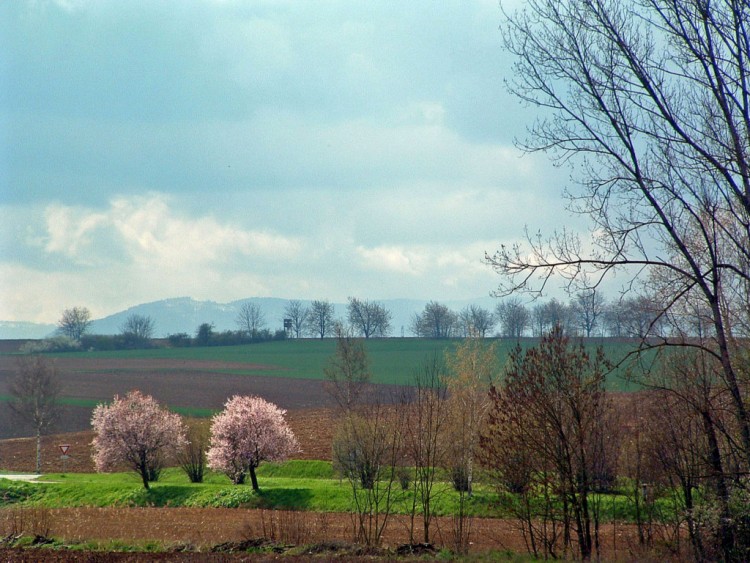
(135, 431)
(248, 431)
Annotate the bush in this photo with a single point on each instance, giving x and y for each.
(404, 475)
(460, 478)
(179, 340)
(192, 457)
(54, 344)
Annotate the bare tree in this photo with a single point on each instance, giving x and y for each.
(476, 321)
(549, 417)
(298, 314)
(435, 321)
(192, 457)
(138, 329)
(348, 371)
(250, 319)
(472, 368)
(634, 317)
(548, 315)
(366, 450)
(368, 318)
(320, 320)
(367, 442)
(612, 319)
(513, 316)
(587, 309)
(653, 97)
(74, 322)
(695, 443)
(35, 393)
(641, 317)
(426, 422)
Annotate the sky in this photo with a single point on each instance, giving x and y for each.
(231, 149)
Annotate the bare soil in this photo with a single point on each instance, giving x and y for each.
(177, 383)
(202, 530)
(312, 427)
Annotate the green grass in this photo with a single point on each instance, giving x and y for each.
(302, 486)
(195, 412)
(293, 485)
(297, 485)
(393, 360)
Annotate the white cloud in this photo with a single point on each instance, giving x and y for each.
(137, 248)
(70, 231)
(391, 259)
(154, 234)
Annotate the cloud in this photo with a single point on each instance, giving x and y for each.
(228, 149)
(137, 248)
(391, 259)
(154, 234)
(151, 233)
(70, 231)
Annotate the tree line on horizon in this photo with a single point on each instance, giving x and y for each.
(587, 314)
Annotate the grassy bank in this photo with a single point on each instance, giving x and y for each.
(293, 485)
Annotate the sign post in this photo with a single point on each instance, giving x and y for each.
(64, 457)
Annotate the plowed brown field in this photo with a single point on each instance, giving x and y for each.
(204, 528)
(177, 383)
(312, 427)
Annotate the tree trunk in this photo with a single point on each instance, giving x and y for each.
(38, 451)
(693, 532)
(253, 478)
(722, 492)
(730, 378)
(143, 470)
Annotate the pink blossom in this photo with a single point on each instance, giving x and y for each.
(137, 432)
(248, 431)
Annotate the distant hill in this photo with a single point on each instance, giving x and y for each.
(185, 314)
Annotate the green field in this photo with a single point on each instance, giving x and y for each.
(296, 485)
(292, 485)
(393, 360)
